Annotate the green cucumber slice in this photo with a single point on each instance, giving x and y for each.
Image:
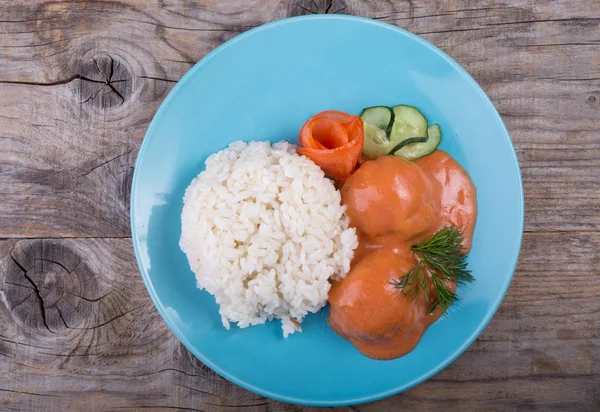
(406, 142)
(408, 122)
(376, 143)
(379, 116)
(416, 150)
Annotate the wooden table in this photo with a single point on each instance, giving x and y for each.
(81, 80)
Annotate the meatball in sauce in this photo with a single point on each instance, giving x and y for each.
(394, 203)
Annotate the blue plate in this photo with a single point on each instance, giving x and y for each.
(263, 85)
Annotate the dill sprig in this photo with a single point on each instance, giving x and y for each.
(441, 258)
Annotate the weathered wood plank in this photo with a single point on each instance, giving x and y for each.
(190, 30)
(100, 344)
(63, 122)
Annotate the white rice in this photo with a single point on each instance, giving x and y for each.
(264, 231)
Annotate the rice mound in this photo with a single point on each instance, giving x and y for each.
(264, 231)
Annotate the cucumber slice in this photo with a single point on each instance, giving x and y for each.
(416, 150)
(376, 143)
(408, 122)
(379, 116)
(406, 142)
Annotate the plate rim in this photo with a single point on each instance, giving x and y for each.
(148, 137)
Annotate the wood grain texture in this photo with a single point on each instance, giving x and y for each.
(79, 84)
(78, 331)
(76, 97)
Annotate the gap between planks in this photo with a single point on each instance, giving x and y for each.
(526, 231)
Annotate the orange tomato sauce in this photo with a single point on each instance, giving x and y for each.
(393, 204)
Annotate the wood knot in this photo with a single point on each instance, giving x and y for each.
(304, 7)
(46, 284)
(105, 81)
(592, 99)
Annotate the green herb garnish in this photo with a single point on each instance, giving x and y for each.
(441, 257)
